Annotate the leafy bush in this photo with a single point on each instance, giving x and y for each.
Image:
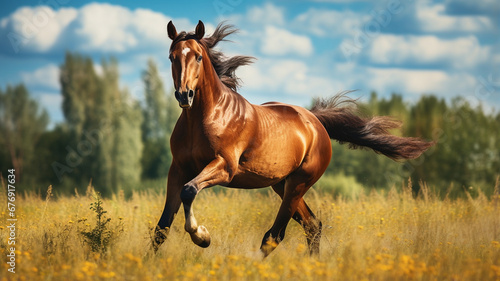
(101, 236)
(339, 185)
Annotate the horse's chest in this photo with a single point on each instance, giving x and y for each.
(193, 151)
(194, 146)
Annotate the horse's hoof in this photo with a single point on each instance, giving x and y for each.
(160, 235)
(201, 237)
(204, 244)
(268, 246)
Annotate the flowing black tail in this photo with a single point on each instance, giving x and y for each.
(344, 125)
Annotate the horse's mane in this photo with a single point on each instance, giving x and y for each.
(225, 67)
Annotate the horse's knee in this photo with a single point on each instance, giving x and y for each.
(188, 193)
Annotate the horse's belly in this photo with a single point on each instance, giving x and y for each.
(251, 180)
(258, 172)
(257, 178)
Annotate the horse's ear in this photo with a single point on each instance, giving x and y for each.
(172, 33)
(200, 30)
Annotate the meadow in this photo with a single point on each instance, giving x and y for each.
(378, 235)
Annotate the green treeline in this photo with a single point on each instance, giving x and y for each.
(120, 143)
(466, 155)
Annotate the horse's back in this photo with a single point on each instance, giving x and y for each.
(292, 113)
(318, 151)
(287, 137)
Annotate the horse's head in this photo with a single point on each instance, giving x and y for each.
(186, 55)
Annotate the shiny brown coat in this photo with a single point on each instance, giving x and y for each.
(222, 139)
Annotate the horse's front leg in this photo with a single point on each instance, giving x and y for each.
(177, 177)
(216, 172)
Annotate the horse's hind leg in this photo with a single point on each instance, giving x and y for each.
(312, 226)
(294, 188)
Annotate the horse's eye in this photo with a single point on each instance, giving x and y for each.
(198, 59)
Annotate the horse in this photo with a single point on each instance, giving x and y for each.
(222, 139)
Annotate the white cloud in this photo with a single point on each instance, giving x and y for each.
(149, 24)
(47, 76)
(257, 75)
(105, 27)
(36, 28)
(266, 14)
(409, 17)
(416, 82)
(93, 27)
(286, 76)
(433, 18)
(459, 53)
(277, 41)
(288, 66)
(330, 23)
(294, 78)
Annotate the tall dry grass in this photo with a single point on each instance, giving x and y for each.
(376, 236)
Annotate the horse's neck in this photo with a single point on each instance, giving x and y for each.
(214, 99)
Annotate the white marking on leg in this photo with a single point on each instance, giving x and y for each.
(185, 51)
(191, 224)
(199, 234)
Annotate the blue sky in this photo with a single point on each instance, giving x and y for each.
(304, 49)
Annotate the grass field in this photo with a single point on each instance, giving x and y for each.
(376, 236)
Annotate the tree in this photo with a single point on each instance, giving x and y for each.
(160, 115)
(49, 150)
(466, 153)
(85, 109)
(128, 146)
(426, 121)
(469, 146)
(104, 124)
(22, 122)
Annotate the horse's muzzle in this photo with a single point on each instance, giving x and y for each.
(185, 99)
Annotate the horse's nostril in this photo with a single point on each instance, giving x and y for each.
(191, 93)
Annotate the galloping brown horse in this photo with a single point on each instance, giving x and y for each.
(222, 139)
